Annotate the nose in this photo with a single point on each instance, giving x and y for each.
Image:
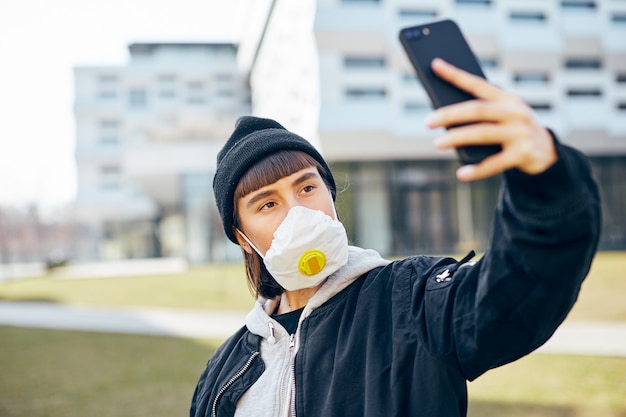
(288, 203)
(291, 202)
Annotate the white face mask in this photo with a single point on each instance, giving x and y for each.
(308, 246)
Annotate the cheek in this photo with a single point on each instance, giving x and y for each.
(260, 233)
(329, 209)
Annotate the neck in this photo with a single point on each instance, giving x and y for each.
(294, 300)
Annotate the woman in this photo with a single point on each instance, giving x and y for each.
(338, 330)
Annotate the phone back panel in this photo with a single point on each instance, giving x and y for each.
(442, 39)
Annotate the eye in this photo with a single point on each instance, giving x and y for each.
(267, 206)
(308, 188)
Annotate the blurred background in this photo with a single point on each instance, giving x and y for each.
(113, 114)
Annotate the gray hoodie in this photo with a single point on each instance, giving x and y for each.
(271, 394)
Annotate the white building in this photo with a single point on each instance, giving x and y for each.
(147, 136)
(334, 71)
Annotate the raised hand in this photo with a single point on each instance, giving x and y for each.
(497, 117)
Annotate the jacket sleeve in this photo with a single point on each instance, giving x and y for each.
(545, 234)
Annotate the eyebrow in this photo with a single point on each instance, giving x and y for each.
(305, 177)
(263, 194)
(259, 196)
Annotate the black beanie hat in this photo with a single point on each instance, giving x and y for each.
(253, 139)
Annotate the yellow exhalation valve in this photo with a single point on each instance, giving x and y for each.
(312, 262)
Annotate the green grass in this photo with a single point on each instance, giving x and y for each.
(49, 373)
(604, 290)
(206, 287)
(552, 386)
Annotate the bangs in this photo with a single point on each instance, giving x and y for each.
(271, 169)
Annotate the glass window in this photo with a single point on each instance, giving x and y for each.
(110, 169)
(223, 77)
(474, 2)
(109, 124)
(417, 14)
(618, 18)
(363, 62)
(110, 185)
(107, 95)
(108, 131)
(137, 97)
(225, 93)
(366, 92)
(539, 107)
(107, 87)
(109, 140)
(583, 63)
(531, 78)
(195, 85)
(107, 78)
(528, 17)
(409, 77)
(196, 100)
(167, 94)
(584, 92)
(110, 177)
(166, 78)
(417, 107)
(578, 5)
(488, 62)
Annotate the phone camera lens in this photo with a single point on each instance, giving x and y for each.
(415, 33)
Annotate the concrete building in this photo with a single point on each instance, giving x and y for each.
(147, 135)
(334, 71)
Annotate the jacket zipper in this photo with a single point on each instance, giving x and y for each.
(288, 388)
(292, 375)
(235, 377)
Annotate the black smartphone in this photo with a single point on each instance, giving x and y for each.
(443, 39)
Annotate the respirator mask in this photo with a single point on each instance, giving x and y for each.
(308, 246)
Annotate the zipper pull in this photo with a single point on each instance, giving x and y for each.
(272, 339)
(292, 341)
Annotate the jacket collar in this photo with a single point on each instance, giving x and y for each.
(359, 262)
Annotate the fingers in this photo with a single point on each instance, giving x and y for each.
(492, 104)
(490, 166)
(481, 134)
(473, 84)
(479, 111)
(529, 151)
(495, 117)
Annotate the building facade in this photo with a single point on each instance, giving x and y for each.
(147, 136)
(334, 71)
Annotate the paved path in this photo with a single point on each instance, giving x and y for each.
(588, 338)
(591, 338)
(163, 322)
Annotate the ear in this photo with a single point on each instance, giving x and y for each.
(242, 242)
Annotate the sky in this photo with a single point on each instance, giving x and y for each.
(41, 41)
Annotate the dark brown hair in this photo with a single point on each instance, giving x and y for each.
(265, 172)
